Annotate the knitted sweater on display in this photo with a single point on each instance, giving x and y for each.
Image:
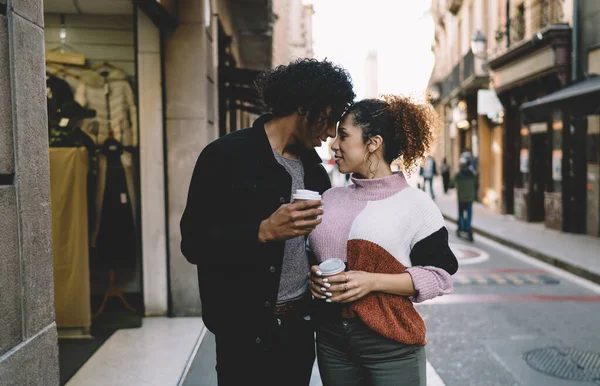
(385, 226)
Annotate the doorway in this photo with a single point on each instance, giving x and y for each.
(538, 176)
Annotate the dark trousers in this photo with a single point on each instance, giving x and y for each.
(351, 354)
(430, 182)
(288, 361)
(465, 216)
(446, 181)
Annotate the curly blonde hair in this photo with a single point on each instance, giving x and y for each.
(405, 125)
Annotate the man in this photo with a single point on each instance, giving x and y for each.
(248, 240)
(466, 184)
(428, 171)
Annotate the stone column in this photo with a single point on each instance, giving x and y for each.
(28, 338)
(190, 88)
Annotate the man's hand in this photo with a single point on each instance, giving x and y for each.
(291, 220)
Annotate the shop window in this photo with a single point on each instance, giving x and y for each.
(523, 179)
(557, 152)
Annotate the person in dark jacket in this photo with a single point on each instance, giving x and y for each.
(465, 182)
(246, 236)
(445, 169)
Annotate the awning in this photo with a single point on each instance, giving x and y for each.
(586, 88)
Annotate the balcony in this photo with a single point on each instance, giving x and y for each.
(454, 6)
(451, 84)
(468, 75)
(543, 14)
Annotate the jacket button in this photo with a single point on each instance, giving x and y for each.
(258, 340)
(267, 304)
(272, 269)
(282, 200)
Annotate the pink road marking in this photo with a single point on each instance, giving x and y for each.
(506, 298)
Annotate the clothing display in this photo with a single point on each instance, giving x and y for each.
(110, 94)
(68, 189)
(91, 113)
(116, 241)
(384, 225)
(58, 93)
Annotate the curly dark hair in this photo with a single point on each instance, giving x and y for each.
(310, 84)
(405, 126)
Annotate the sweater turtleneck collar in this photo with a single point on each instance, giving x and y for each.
(379, 188)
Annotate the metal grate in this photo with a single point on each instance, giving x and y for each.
(566, 363)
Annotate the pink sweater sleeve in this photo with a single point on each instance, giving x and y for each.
(429, 282)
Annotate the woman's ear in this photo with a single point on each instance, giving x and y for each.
(375, 143)
(302, 111)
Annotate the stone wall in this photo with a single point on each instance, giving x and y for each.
(28, 338)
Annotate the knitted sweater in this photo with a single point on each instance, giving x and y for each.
(385, 226)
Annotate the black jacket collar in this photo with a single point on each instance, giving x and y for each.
(257, 131)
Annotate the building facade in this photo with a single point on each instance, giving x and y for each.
(532, 124)
(143, 87)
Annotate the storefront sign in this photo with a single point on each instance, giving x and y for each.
(524, 161)
(536, 128)
(557, 165)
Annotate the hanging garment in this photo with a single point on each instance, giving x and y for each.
(58, 93)
(112, 98)
(116, 238)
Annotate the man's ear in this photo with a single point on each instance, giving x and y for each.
(302, 111)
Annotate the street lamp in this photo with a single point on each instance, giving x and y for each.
(479, 45)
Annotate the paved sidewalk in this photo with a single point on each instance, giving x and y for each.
(158, 353)
(578, 254)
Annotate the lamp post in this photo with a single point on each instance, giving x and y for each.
(479, 47)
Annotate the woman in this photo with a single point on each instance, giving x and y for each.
(394, 241)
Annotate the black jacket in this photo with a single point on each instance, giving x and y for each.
(238, 183)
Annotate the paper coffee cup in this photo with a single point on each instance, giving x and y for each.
(332, 267)
(305, 195)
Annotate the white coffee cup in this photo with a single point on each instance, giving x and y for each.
(332, 267)
(305, 195)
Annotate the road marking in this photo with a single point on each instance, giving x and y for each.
(433, 378)
(535, 262)
(505, 298)
(499, 279)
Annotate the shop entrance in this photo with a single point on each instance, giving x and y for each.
(538, 175)
(105, 128)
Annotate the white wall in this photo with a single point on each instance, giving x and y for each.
(152, 182)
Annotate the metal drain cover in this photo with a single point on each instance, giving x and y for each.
(566, 363)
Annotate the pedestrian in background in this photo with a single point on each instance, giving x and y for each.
(428, 171)
(445, 169)
(465, 182)
(395, 243)
(248, 240)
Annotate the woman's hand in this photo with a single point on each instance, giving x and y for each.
(351, 286)
(318, 285)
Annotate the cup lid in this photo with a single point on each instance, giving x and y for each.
(306, 194)
(332, 266)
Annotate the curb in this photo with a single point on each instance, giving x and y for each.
(565, 266)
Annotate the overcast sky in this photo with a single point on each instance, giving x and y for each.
(401, 31)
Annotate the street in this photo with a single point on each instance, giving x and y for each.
(505, 307)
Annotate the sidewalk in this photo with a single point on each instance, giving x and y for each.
(578, 254)
(158, 353)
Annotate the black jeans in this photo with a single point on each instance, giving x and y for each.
(351, 354)
(288, 361)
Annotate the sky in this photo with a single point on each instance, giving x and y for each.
(401, 31)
